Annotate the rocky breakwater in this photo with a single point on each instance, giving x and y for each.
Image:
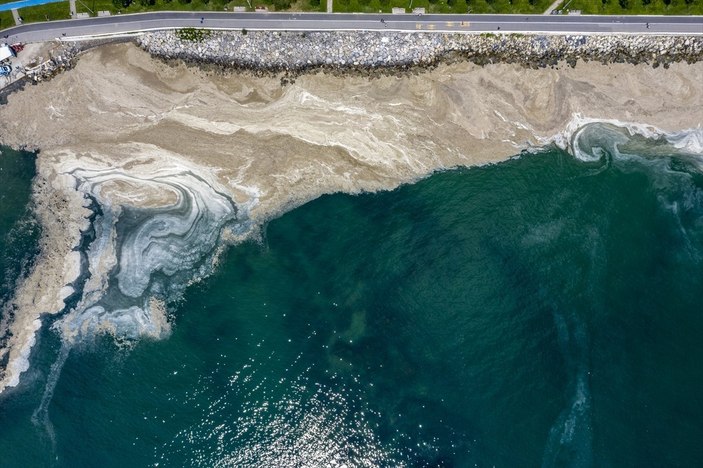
(363, 50)
(59, 60)
(289, 51)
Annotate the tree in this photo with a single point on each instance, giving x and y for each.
(119, 4)
(624, 4)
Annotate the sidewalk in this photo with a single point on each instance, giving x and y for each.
(553, 7)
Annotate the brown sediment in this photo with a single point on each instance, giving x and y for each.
(271, 148)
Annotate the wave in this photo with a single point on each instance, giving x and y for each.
(590, 139)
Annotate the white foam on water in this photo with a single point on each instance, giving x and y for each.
(688, 141)
(133, 322)
(169, 240)
(569, 442)
(141, 257)
(19, 365)
(40, 417)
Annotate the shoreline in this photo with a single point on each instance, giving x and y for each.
(194, 150)
(378, 53)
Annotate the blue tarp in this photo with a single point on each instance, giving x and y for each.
(25, 3)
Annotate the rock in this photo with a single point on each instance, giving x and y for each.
(265, 51)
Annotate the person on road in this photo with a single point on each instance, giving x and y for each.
(201, 20)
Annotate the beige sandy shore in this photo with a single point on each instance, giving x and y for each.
(136, 125)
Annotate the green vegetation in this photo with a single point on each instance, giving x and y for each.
(60, 10)
(637, 7)
(137, 6)
(51, 11)
(6, 20)
(192, 34)
(506, 6)
(444, 6)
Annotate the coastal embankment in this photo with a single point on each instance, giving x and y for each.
(368, 50)
(158, 166)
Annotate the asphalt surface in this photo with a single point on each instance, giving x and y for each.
(577, 24)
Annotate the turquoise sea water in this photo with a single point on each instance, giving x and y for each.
(542, 311)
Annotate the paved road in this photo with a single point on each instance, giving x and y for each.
(323, 22)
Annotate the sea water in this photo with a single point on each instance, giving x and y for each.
(541, 311)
